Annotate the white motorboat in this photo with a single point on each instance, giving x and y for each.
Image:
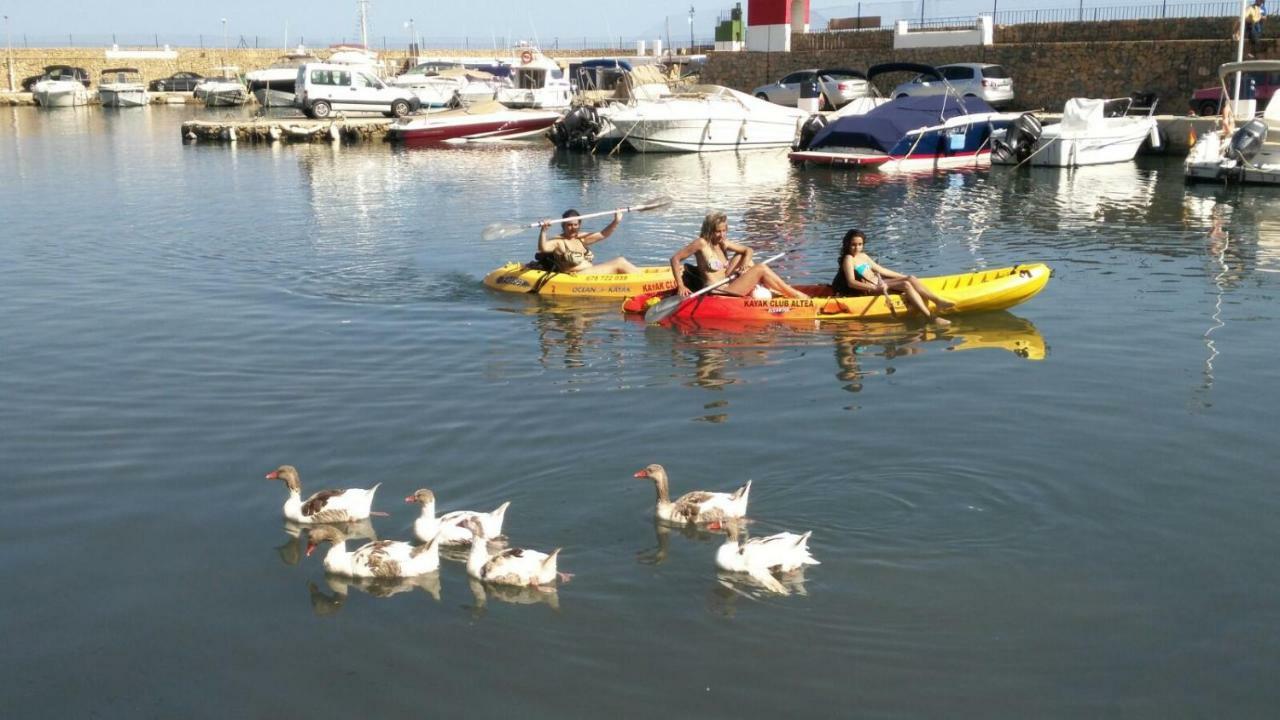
(225, 90)
(273, 86)
(441, 84)
(536, 82)
(122, 87)
(709, 118)
(1249, 153)
(60, 93)
(1087, 135)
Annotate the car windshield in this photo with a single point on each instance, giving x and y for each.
(994, 71)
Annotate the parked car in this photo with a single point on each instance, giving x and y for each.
(989, 82)
(322, 88)
(837, 87)
(177, 82)
(57, 72)
(1259, 85)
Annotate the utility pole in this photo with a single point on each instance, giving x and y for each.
(690, 29)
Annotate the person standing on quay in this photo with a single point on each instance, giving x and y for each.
(1253, 19)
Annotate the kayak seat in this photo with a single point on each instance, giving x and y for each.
(692, 278)
(541, 261)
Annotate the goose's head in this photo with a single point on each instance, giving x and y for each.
(654, 472)
(288, 474)
(322, 534)
(474, 525)
(422, 497)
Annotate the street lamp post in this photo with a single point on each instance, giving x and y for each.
(225, 48)
(8, 42)
(690, 29)
(413, 39)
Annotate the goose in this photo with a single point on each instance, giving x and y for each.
(449, 526)
(378, 559)
(326, 506)
(762, 557)
(698, 506)
(513, 566)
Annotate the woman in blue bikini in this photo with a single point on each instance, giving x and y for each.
(860, 275)
(710, 251)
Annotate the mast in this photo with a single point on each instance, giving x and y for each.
(363, 7)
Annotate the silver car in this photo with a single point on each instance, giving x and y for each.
(836, 87)
(989, 82)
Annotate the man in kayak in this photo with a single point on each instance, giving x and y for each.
(570, 252)
(710, 251)
(860, 275)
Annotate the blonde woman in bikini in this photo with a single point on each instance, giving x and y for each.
(571, 252)
(860, 275)
(711, 253)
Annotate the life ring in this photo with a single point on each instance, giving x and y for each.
(526, 57)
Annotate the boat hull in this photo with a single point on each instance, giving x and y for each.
(57, 94)
(508, 125)
(517, 278)
(1064, 150)
(122, 98)
(702, 134)
(998, 289)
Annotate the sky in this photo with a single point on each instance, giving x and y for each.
(539, 21)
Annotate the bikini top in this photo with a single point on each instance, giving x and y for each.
(708, 262)
(568, 258)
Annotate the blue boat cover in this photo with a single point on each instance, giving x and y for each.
(884, 126)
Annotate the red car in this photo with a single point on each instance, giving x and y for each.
(1259, 85)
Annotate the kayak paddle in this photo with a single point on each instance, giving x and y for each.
(494, 231)
(668, 306)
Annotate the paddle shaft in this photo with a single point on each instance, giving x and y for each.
(602, 213)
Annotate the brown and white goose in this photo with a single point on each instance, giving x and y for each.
(378, 559)
(450, 525)
(513, 566)
(698, 506)
(326, 506)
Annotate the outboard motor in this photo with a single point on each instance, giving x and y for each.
(577, 130)
(1248, 140)
(809, 131)
(1019, 139)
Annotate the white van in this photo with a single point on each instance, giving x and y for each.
(322, 88)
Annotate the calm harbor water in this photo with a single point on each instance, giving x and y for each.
(1059, 511)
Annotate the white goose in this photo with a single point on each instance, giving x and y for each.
(449, 526)
(513, 566)
(698, 506)
(762, 557)
(378, 559)
(326, 506)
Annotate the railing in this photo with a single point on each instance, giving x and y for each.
(498, 45)
(892, 12)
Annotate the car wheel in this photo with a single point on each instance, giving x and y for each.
(899, 96)
(762, 96)
(399, 108)
(320, 109)
(1207, 107)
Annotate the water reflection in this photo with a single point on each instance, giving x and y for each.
(513, 594)
(662, 531)
(331, 602)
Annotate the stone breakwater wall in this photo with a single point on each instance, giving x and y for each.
(1049, 63)
(32, 61)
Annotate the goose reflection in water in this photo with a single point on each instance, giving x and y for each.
(328, 603)
(662, 530)
(514, 594)
(291, 551)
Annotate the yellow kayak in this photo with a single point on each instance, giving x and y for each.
(517, 278)
(997, 289)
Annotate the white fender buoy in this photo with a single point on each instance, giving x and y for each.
(229, 134)
(273, 132)
(334, 132)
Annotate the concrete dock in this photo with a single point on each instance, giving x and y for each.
(286, 129)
